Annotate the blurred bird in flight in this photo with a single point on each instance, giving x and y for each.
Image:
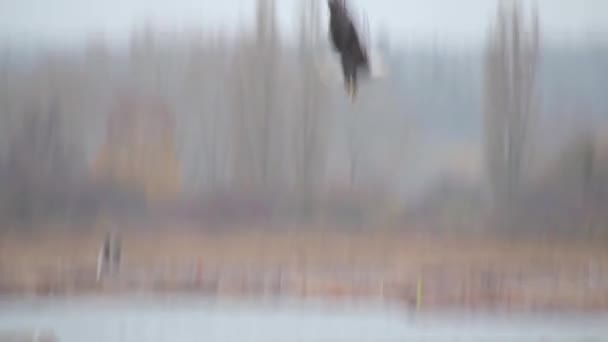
(346, 41)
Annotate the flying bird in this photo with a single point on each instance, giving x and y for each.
(346, 42)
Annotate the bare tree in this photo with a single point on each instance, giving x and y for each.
(267, 59)
(257, 66)
(310, 140)
(511, 100)
(40, 164)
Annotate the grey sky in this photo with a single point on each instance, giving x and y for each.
(459, 21)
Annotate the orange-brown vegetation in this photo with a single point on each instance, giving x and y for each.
(459, 271)
(139, 152)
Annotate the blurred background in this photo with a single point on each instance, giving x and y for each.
(104, 102)
(141, 102)
(218, 135)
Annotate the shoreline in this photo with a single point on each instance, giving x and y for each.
(456, 272)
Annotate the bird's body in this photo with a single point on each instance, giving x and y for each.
(345, 40)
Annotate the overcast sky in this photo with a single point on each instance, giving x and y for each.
(447, 20)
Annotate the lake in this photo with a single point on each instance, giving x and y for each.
(179, 319)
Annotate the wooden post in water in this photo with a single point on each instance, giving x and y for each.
(108, 260)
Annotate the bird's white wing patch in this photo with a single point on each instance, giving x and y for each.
(376, 65)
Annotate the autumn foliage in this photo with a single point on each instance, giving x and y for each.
(139, 152)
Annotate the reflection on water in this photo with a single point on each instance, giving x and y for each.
(189, 319)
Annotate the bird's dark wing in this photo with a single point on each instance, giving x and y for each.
(341, 26)
(344, 36)
(334, 34)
